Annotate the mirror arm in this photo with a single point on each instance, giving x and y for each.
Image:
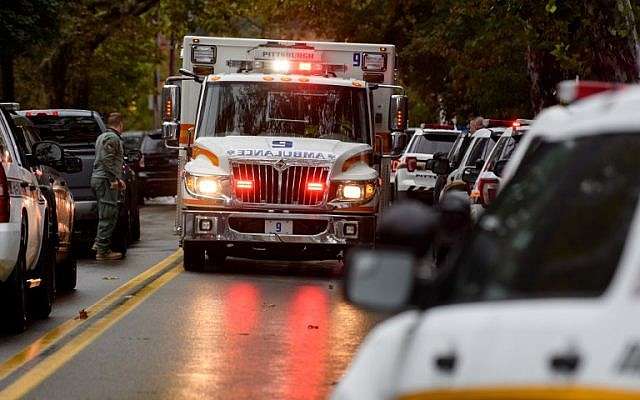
(191, 75)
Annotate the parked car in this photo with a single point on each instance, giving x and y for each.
(158, 167)
(55, 189)
(412, 178)
(487, 180)
(77, 131)
(27, 251)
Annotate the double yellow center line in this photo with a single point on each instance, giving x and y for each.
(99, 317)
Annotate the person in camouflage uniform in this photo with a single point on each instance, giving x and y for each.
(106, 182)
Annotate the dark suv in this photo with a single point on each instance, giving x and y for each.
(77, 131)
(158, 167)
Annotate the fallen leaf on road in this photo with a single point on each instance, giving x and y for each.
(110, 278)
(243, 334)
(82, 314)
(330, 287)
(313, 327)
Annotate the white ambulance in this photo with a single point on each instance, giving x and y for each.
(542, 302)
(282, 146)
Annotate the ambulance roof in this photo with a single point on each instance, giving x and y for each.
(286, 78)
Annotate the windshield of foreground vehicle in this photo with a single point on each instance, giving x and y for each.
(559, 227)
(285, 109)
(67, 129)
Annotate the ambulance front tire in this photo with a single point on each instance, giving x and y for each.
(194, 256)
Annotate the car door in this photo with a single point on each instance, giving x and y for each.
(23, 185)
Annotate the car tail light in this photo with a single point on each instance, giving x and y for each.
(5, 202)
(487, 190)
(394, 165)
(412, 164)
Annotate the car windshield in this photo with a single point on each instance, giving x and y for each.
(431, 144)
(534, 243)
(67, 129)
(503, 150)
(153, 143)
(132, 141)
(285, 109)
(480, 149)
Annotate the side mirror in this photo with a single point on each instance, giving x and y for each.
(499, 167)
(398, 113)
(428, 165)
(479, 164)
(48, 153)
(470, 175)
(171, 113)
(399, 142)
(441, 166)
(380, 279)
(72, 165)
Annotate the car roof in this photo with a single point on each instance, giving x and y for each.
(60, 112)
(487, 132)
(608, 112)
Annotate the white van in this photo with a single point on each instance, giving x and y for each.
(542, 302)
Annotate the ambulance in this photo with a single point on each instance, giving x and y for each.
(542, 302)
(284, 146)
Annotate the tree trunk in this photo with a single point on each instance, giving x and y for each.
(7, 77)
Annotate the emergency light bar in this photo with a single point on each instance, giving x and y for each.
(570, 91)
(283, 66)
(505, 123)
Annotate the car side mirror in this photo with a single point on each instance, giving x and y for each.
(171, 114)
(48, 153)
(479, 164)
(440, 166)
(428, 165)
(380, 280)
(470, 174)
(72, 165)
(398, 113)
(498, 169)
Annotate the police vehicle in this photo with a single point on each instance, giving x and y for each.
(542, 302)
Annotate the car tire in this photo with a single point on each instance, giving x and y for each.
(215, 259)
(67, 273)
(135, 223)
(194, 257)
(43, 296)
(15, 314)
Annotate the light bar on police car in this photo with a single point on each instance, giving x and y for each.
(203, 54)
(570, 91)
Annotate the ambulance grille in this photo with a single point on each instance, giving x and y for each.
(280, 186)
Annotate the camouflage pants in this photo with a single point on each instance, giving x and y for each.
(107, 198)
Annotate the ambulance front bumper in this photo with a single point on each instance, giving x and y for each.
(250, 227)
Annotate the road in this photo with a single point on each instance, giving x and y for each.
(259, 330)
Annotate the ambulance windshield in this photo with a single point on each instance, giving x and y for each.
(285, 109)
(559, 227)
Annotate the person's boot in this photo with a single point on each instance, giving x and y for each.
(108, 255)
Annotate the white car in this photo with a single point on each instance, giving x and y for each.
(27, 251)
(542, 303)
(488, 179)
(412, 179)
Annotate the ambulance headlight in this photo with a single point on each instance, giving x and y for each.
(356, 191)
(198, 185)
(203, 54)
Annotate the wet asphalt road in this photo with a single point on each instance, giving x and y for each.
(260, 330)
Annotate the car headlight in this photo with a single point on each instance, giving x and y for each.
(200, 185)
(356, 191)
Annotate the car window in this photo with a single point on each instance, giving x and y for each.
(154, 144)
(533, 243)
(430, 144)
(477, 151)
(67, 129)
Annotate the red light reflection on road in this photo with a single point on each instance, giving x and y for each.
(306, 343)
(242, 301)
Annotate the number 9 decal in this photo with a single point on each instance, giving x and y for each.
(278, 227)
(356, 59)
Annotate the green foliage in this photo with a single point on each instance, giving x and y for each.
(457, 58)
